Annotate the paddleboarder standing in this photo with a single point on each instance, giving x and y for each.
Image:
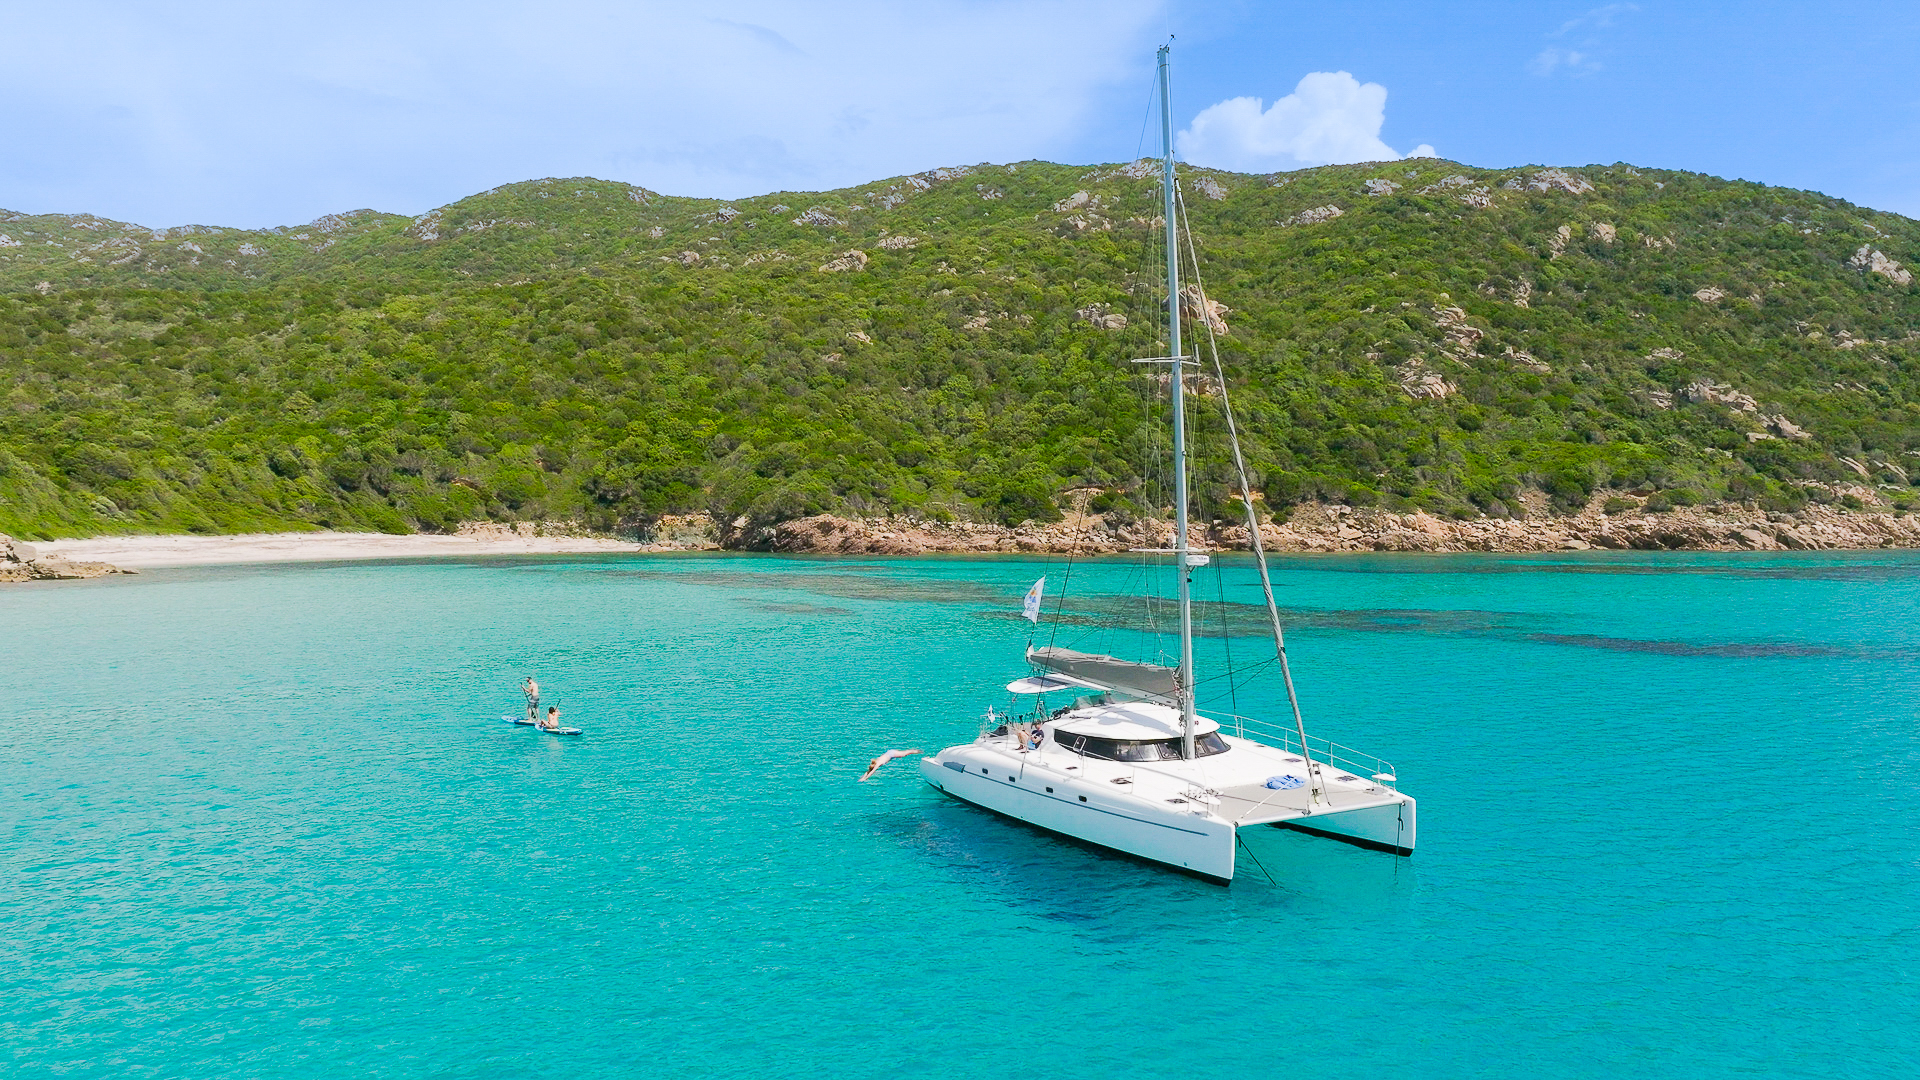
(532, 690)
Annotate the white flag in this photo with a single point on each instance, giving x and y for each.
(1030, 607)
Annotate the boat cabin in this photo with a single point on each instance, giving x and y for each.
(1099, 727)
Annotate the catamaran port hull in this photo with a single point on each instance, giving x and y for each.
(1074, 808)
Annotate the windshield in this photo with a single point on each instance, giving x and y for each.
(1093, 746)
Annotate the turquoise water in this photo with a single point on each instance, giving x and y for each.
(266, 822)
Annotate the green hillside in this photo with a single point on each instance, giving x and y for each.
(949, 344)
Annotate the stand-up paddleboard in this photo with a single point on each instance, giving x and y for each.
(524, 722)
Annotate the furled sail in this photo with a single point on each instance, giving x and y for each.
(1150, 680)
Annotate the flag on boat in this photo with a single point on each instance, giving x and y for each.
(1030, 607)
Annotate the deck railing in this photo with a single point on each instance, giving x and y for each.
(1325, 751)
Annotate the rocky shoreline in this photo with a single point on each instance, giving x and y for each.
(1632, 524)
(1323, 528)
(21, 561)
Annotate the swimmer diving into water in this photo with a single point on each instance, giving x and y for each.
(874, 765)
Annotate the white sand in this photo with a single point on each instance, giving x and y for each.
(149, 551)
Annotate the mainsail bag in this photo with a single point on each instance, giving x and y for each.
(1150, 680)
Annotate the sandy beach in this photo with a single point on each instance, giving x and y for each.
(141, 552)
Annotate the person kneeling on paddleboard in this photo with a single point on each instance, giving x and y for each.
(552, 722)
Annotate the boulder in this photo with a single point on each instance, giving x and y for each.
(21, 561)
(1314, 216)
(1876, 262)
(852, 260)
(54, 569)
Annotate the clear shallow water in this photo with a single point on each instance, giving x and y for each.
(266, 822)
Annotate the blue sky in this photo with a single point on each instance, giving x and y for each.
(268, 114)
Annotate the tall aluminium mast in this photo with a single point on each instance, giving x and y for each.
(1180, 550)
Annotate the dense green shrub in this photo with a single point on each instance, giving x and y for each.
(581, 349)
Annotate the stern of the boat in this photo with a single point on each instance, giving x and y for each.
(1384, 827)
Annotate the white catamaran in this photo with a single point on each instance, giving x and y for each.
(1130, 764)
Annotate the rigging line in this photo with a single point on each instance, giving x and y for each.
(1152, 489)
(1207, 679)
(1248, 848)
(1066, 577)
(1226, 636)
(1247, 676)
(1314, 789)
(1146, 118)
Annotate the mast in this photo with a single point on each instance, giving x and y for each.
(1180, 551)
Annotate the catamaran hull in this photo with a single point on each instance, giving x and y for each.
(1378, 828)
(1191, 843)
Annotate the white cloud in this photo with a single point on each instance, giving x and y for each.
(1599, 18)
(1579, 61)
(1573, 61)
(1331, 118)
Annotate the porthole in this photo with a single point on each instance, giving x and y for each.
(1049, 791)
(1083, 798)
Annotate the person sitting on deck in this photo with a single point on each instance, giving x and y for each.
(1021, 733)
(552, 721)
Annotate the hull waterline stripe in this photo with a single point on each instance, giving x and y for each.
(1370, 845)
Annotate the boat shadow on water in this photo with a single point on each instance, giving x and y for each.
(1058, 876)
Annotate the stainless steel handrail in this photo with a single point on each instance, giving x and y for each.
(1325, 751)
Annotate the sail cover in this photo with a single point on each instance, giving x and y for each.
(1151, 680)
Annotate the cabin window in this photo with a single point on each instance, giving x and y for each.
(1093, 746)
(1209, 744)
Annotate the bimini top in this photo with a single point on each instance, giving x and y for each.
(1129, 721)
(1109, 673)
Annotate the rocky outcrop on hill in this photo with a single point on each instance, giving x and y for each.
(21, 561)
(1314, 216)
(852, 260)
(1876, 262)
(1102, 316)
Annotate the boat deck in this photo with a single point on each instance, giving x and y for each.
(1232, 786)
